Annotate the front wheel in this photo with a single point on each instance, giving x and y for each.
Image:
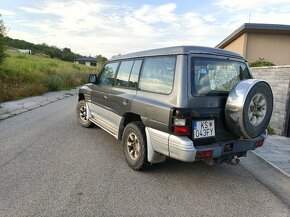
(134, 146)
(81, 114)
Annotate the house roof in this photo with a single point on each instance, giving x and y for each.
(87, 59)
(254, 28)
(178, 50)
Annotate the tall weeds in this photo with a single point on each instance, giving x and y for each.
(23, 75)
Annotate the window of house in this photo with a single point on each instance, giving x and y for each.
(157, 74)
(107, 76)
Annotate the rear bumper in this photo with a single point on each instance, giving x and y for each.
(239, 147)
(183, 149)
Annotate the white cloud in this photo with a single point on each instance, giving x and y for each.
(150, 14)
(7, 13)
(100, 27)
(21, 35)
(250, 4)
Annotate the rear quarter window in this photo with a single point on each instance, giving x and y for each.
(157, 74)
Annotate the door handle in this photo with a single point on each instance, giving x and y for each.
(106, 96)
(125, 101)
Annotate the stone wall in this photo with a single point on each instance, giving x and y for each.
(279, 79)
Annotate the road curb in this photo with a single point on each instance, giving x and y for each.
(271, 164)
(276, 181)
(15, 112)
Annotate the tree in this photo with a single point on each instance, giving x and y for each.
(66, 50)
(101, 60)
(2, 41)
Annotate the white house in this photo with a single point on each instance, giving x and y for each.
(88, 61)
(24, 51)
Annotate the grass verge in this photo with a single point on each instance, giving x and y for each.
(24, 75)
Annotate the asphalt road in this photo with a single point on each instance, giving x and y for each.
(51, 166)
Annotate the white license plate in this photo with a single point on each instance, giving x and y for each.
(202, 129)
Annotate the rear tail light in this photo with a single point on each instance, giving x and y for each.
(180, 130)
(180, 121)
(259, 143)
(204, 154)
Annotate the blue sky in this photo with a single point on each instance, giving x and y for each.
(91, 27)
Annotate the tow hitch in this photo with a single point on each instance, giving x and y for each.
(234, 161)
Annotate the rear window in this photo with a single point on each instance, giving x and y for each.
(216, 76)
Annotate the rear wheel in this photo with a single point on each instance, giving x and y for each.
(134, 146)
(81, 114)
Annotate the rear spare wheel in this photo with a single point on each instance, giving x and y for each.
(249, 108)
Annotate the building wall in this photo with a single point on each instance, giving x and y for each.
(272, 47)
(279, 79)
(24, 51)
(238, 45)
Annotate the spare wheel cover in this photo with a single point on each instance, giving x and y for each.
(249, 108)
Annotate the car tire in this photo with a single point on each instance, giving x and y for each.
(135, 146)
(249, 108)
(81, 114)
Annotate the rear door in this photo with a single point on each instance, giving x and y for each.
(210, 81)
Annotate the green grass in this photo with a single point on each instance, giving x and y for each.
(271, 131)
(23, 75)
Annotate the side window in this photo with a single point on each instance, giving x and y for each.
(108, 74)
(133, 81)
(158, 74)
(124, 73)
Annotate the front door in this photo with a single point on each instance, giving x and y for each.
(100, 106)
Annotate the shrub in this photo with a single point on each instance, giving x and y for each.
(261, 62)
(2, 34)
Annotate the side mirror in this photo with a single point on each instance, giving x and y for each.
(93, 78)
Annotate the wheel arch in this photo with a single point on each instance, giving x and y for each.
(81, 96)
(127, 118)
(84, 93)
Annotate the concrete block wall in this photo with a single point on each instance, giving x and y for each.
(279, 79)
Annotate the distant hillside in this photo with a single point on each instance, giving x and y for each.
(52, 51)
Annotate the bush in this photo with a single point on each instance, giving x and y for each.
(53, 82)
(261, 62)
(2, 34)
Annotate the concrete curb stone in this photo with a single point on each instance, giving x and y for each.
(12, 108)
